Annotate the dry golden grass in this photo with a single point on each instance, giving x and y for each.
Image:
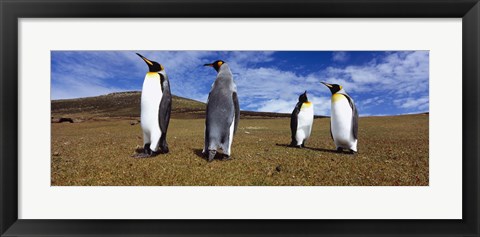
(392, 151)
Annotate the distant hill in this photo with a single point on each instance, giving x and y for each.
(120, 105)
(127, 105)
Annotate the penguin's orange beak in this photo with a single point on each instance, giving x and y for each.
(145, 59)
(328, 85)
(208, 65)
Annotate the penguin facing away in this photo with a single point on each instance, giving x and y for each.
(223, 113)
(301, 121)
(344, 119)
(156, 105)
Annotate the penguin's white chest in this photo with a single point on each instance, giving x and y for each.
(304, 122)
(341, 122)
(150, 102)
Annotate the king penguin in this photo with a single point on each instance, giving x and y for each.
(156, 105)
(223, 112)
(301, 121)
(344, 119)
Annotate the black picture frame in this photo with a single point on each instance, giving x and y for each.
(11, 11)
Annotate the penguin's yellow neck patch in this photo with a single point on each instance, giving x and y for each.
(306, 105)
(153, 75)
(336, 97)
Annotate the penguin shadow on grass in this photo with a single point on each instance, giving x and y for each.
(312, 148)
(219, 156)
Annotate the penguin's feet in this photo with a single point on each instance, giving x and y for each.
(295, 145)
(147, 152)
(151, 152)
(211, 155)
(164, 149)
(163, 145)
(146, 147)
(226, 157)
(349, 151)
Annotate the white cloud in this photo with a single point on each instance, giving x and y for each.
(372, 101)
(274, 90)
(340, 56)
(249, 57)
(71, 87)
(420, 104)
(277, 105)
(321, 105)
(398, 73)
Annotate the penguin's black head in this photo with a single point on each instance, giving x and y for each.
(152, 66)
(334, 88)
(303, 97)
(216, 65)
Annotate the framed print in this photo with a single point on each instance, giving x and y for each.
(239, 118)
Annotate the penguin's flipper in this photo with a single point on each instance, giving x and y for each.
(237, 111)
(354, 116)
(207, 130)
(355, 122)
(164, 110)
(331, 134)
(164, 116)
(294, 122)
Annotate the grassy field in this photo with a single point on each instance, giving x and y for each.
(392, 151)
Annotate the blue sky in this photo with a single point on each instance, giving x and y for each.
(380, 82)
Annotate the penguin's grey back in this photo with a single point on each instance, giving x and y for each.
(220, 109)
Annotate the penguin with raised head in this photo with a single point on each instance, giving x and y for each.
(156, 105)
(223, 113)
(301, 121)
(343, 120)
